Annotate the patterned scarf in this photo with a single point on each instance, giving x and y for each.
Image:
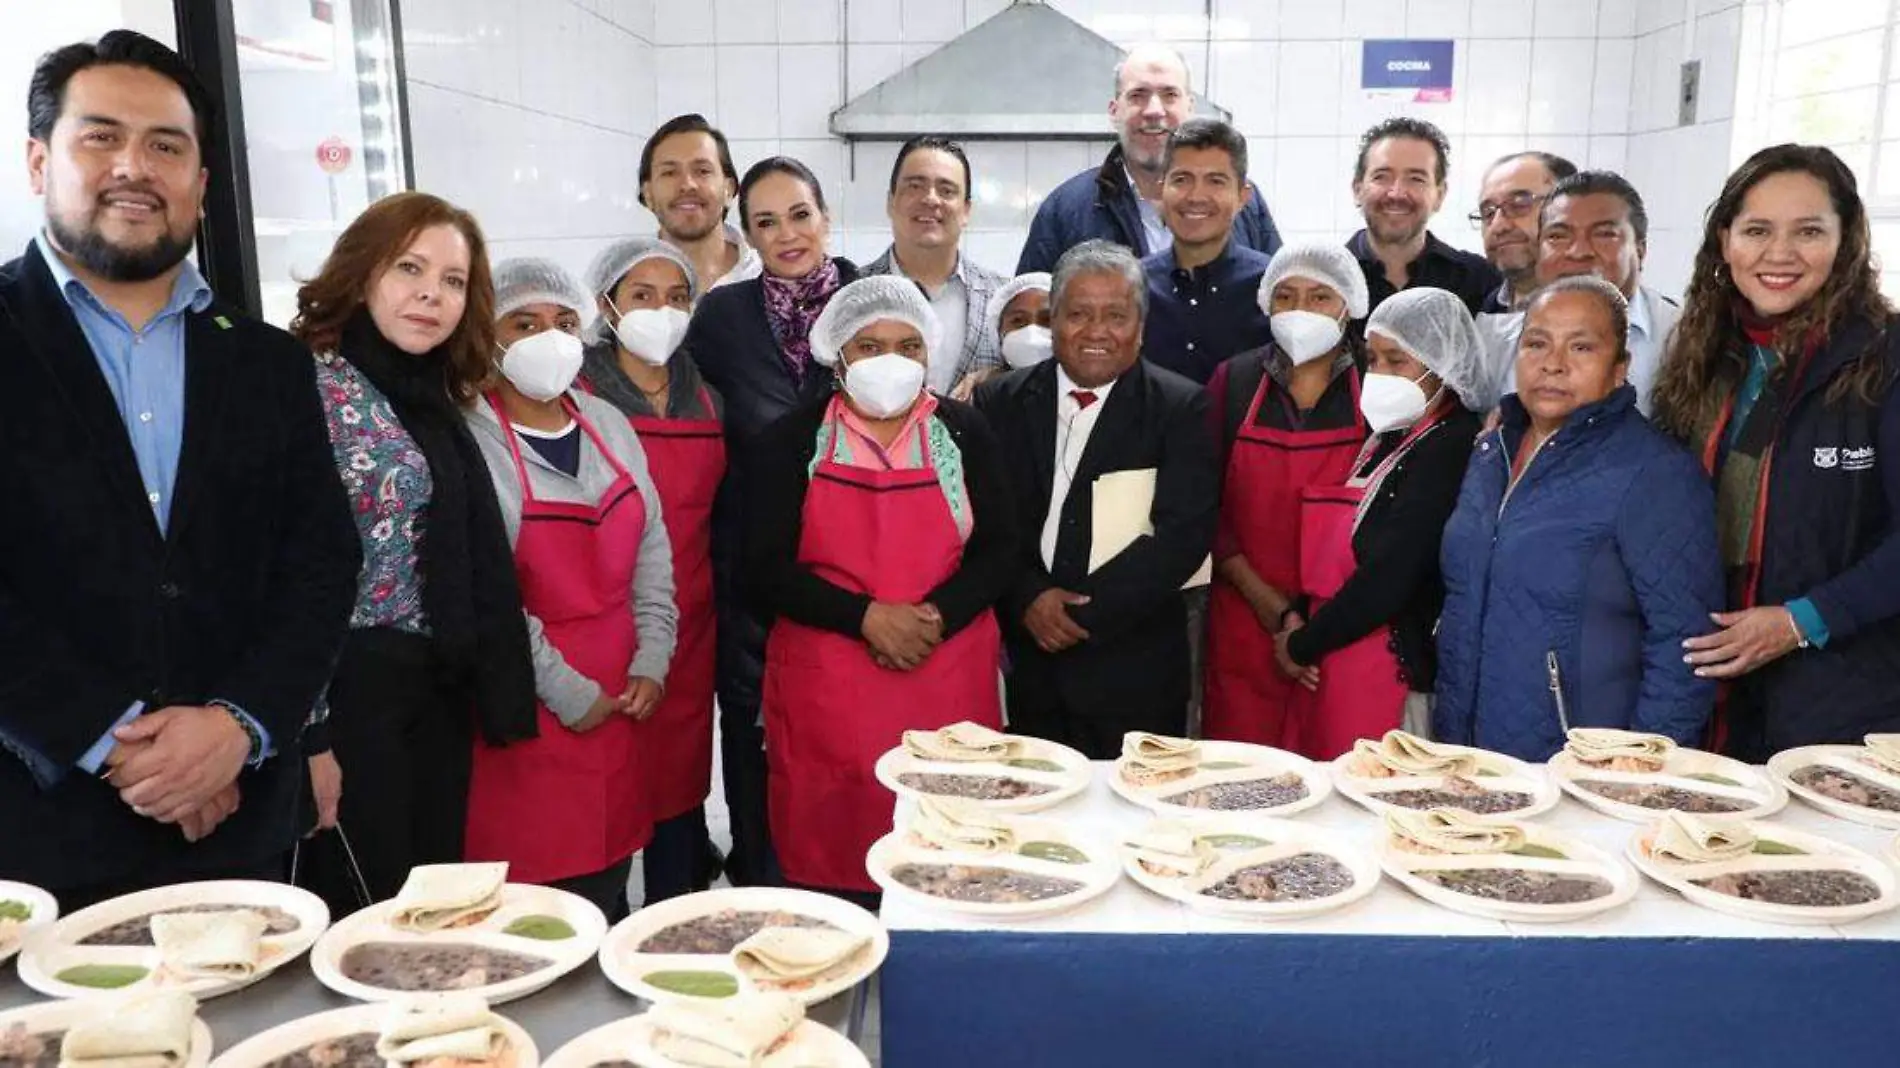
(791, 306)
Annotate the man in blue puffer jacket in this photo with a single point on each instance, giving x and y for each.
(1120, 201)
(1575, 568)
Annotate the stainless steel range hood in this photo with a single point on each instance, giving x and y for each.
(1029, 72)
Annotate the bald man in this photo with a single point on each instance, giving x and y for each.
(1120, 201)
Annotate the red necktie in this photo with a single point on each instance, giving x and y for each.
(1083, 398)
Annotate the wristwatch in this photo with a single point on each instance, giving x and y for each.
(249, 727)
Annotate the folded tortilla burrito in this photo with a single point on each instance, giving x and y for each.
(735, 1032)
(961, 743)
(1151, 758)
(151, 1029)
(1173, 849)
(1884, 750)
(437, 896)
(1408, 754)
(1695, 840)
(1600, 745)
(457, 1026)
(209, 945)
(956, 824)
(777, 956)
(1449, 830)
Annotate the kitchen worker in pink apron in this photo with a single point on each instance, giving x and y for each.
(1369, 549)
(1288, 421)
(882, 535)
(644, 290)
(571, 807)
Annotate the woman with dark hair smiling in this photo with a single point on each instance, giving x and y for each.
(751, 341)
(1782, 378)
(402, 320)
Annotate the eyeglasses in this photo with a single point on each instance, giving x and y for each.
(1515, 206)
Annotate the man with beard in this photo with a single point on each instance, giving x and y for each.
(687, 181)
(1509, 201)
(178, 562)
(1121, 200)
(929, 205)
(1399, 184)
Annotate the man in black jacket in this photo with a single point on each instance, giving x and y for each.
(1098, 640)
(1121, 200)
(178, 562)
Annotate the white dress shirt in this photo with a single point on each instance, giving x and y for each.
(1074, 425)
(951, 302)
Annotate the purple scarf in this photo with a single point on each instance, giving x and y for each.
(791, 306)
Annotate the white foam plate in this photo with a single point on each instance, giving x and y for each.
(44, 907)
(1506, 774)
(1580, 858)
(1098, 876)
(1818, 852)
(286, 1039)
(517, 900)
(1784, 764)
(54, 949)
(632, 1040)
(50, 1016)
(1292, 837)
(626, 966)
(1073, 777)
(1226, 762)
(1762, 793)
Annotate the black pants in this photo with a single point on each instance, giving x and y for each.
(403, 741)
(1095, 733)
(680, 859)
(606, 888)
(742, 756)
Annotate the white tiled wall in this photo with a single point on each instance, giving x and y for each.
(1680, 169)
(1549, 73)
(532, 113)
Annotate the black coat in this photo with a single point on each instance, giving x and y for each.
(245, 598)
(1136, 658)
(730, 341)
(1831, 533)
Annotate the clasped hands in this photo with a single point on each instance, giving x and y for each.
(639, 700)
(180, 765)
(901, 636)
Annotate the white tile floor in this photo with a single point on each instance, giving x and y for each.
(719, 822)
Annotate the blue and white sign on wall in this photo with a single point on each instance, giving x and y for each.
(1419, 69)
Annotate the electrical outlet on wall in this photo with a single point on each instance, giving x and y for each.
(1689, 93)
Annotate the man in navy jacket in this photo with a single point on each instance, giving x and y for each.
(1121, 200)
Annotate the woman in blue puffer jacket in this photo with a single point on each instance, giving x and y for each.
(1582, 552)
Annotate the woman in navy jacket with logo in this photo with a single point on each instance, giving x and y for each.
(1582, 552)
(1782, 377)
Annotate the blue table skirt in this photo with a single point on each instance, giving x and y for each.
(998, 999)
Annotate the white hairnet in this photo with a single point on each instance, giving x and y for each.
(1325, 262)
(1012, 289)
(1435, 328)
(612, 263)
(865, 301)
(529, 280)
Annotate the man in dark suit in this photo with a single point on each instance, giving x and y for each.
(1098, 652)
(178, 561)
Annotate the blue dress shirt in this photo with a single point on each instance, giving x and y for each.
(1200, 317)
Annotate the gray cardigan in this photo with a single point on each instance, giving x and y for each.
(566, 692)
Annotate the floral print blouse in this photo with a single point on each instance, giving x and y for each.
(387, 479)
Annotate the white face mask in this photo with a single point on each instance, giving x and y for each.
(651, 334)
(1305, 336)
(1027, 346)
(543, 365)
(884, 387)
(1392, 401)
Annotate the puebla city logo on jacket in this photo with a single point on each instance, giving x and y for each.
(1861, 459)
